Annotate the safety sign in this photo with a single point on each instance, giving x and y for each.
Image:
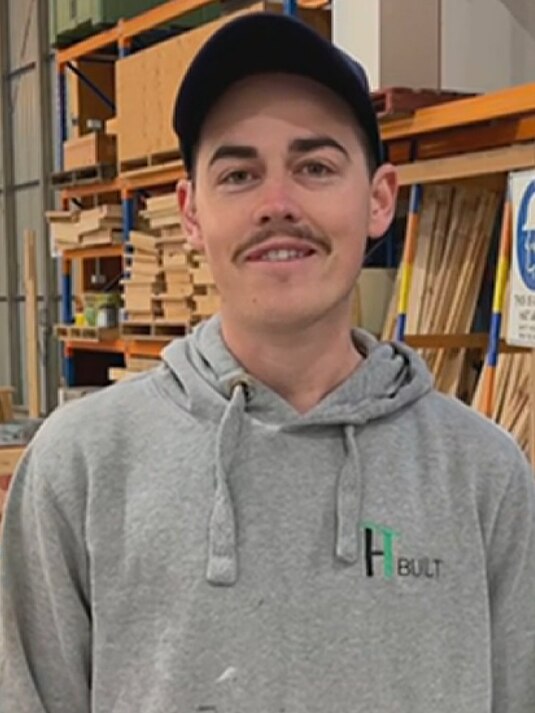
(521, 322)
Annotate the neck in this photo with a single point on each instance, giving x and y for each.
(301, 365)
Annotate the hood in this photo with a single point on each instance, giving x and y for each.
(213, 386)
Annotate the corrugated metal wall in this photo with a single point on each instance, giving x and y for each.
(26, 152)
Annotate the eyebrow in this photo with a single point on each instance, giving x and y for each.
(316, 142)
(233, 151)
(300, 146)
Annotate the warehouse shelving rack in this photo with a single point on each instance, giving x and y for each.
(120, 40)
(472, 137)
(469, 139)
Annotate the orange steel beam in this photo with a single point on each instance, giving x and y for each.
(502, 104)
(159, 15)
(175, 8)
(88, 46)
(91, 189)
(161, 175)
(146, 348)
(475, 340)
(313, 4)
(93, 253)
(463, 139)
(116, 346)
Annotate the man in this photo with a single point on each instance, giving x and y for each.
(285, 516)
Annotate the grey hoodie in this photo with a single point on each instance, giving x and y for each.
(186, 542)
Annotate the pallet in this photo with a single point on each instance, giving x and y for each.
(154, 159)
(68, 332)
(84, 176)
(158, 329)
(395, 102)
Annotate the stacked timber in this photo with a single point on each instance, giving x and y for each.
(98, 226)
(513, 396)
(173, 302)
(143, 277)
(206, 300)
(456, 227)
(187, 292)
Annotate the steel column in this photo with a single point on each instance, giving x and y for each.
(49, 272)
(9, 217)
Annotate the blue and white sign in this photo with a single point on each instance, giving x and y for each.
(521, 324)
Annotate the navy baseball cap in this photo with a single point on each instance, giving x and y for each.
(263, 42)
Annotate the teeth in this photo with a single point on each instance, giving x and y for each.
(282, 255)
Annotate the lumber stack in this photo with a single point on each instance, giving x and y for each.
(456, 228)
(206, 300)
(98, 226)
(143, 276)
(513, 402)
(513, 396)
(172, 303)
(182, 290)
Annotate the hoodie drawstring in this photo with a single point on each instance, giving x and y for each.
(222, 568)
(349, 501)
(222, 547)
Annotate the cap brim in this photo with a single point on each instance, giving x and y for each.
(259, 43)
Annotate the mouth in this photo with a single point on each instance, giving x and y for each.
(280, 255)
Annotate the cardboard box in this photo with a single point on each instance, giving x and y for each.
(89, 150)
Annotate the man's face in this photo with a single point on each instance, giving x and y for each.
(283, 202)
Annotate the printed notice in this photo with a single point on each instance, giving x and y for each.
(521, 323)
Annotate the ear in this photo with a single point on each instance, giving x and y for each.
(186, 202)
(383, 196)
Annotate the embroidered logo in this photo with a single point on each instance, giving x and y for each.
(380, 558)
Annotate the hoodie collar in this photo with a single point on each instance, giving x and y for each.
(390, 377)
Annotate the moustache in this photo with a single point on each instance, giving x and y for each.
(274, 230)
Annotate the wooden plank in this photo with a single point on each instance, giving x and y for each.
(6, 404)
(421, 259)
(495, 105)
(467, 139)
(9, 457)
(532, 408)
(468, 165)
(32, 334)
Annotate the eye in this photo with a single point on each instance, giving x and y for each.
(315, 169)
(237, 177)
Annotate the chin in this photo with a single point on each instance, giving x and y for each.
(283, 318)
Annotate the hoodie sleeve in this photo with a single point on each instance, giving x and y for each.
(44, 611)
(511, 572)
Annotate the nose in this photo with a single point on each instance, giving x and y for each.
(276, 204)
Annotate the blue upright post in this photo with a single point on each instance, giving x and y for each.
(66, 293)
(290, 7)
(69, 374)
(124, 48)
(62, 113)
(128, 214)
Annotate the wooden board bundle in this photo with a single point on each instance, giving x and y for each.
(206, 300)
(144, 276)
(456, 228)
(146, 87)
(514, 397)
(189, 293)
(83, 228)
(162, 212)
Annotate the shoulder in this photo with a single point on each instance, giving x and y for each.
(472, 442)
